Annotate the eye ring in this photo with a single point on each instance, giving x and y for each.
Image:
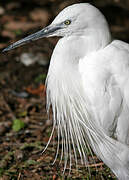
(67, 22)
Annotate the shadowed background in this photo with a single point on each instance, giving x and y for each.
(24, 125)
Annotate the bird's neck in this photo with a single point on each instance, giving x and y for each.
(95, 39)
(70, 49)
(73, 48)
(63, 70)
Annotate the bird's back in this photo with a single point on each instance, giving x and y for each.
(105, 78)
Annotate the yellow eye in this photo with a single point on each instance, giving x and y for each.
(67, 22)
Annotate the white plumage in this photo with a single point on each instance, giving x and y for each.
(88, 87)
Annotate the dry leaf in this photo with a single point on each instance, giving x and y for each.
(24, 26)
(9, 34)
(2, 45)
(40, 15)
(39, 91)
(2, 11)
(12, 5)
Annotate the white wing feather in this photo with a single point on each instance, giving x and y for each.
(89, 98)
(105, 77)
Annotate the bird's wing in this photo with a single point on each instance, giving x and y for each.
(105, 79)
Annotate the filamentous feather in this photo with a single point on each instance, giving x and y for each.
(76, 124)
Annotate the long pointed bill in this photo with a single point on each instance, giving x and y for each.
(49, 30)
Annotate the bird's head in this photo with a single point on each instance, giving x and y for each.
(78, 19)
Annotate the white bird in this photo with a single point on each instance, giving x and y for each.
(88, 87)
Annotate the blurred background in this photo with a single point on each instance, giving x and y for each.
(24, 125)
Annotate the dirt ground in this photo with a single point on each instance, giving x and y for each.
(24, 125)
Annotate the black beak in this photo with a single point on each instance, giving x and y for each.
(47, 31)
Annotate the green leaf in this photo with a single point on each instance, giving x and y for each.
(40, 78)
(18, 32)
(1, 171)
(22, 114)
(31, 162)
(17, 125)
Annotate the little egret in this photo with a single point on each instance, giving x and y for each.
(88, 87)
